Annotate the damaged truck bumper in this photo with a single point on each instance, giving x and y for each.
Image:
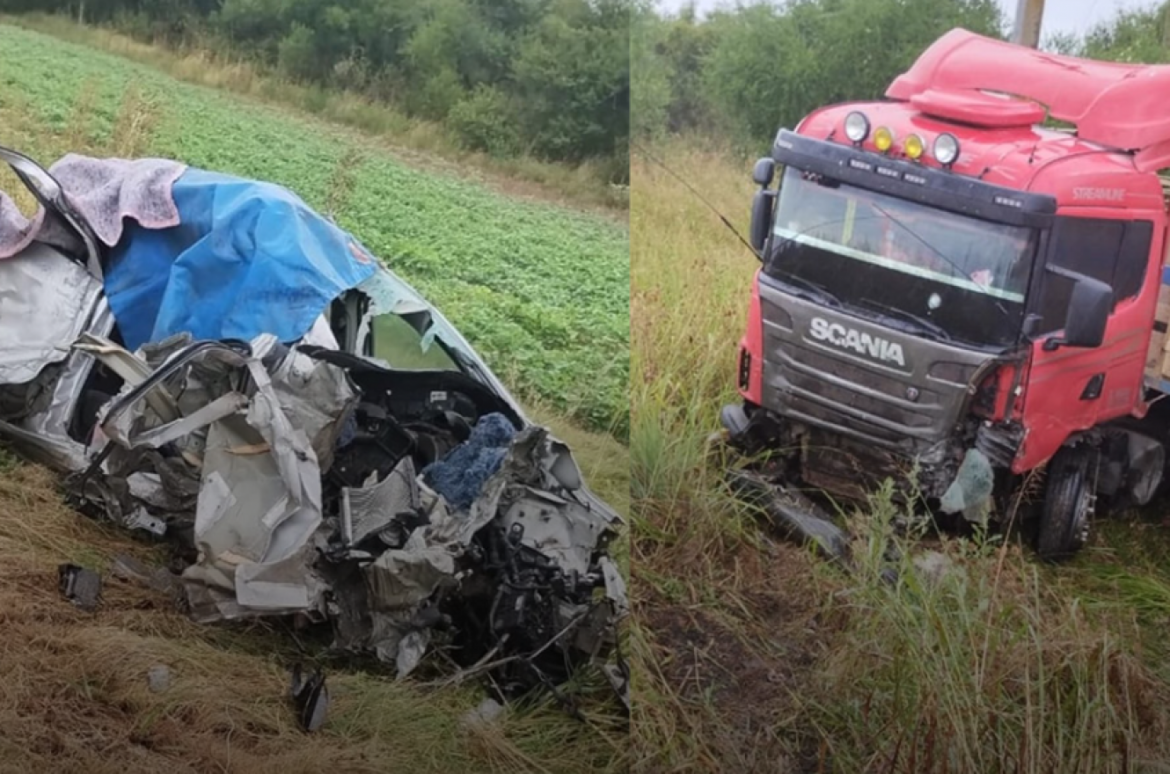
(965, 488)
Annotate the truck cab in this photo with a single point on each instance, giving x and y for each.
(952, 285)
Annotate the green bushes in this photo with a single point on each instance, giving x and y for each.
(744, 73)
(472, 63)
(476, 121)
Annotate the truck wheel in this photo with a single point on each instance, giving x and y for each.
(1069, 501)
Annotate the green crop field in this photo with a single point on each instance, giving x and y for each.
(541, 291)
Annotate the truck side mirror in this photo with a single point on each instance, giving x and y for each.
(764, 171)
(762, 204)
(1088, 313)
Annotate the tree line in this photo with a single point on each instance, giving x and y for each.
(542, 78)
(741, 73)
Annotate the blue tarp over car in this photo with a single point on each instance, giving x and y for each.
(246, 258)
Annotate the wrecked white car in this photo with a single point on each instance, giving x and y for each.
(207, 359)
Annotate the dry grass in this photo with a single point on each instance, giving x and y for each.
(749, 656)
(716, 632)
(414, 140)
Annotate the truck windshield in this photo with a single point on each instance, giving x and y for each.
(959, 277)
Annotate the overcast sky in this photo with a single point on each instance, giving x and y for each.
(1076, 16)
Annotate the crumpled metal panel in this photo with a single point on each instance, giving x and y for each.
(372, 509)
(316, 398)
(615, 586)
(45, 303)
(556, 523)
(402, 578)
(564, 531)
(44, 437)
(260, 502)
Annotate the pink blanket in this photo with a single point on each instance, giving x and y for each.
(104, 192)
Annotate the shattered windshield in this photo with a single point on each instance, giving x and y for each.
(965, 278)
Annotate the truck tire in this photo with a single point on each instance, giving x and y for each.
(1068, 504)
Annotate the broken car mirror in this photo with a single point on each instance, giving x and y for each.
(47, 191)
(1088, 314)
(764, 172)
(761, 223)
(35, 177)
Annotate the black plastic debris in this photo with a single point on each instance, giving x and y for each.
(618, 676)
(793, 513)
(310, 697)
(80, 586)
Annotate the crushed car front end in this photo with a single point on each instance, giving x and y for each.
(346, 457)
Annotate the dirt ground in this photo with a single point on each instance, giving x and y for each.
(743, 661)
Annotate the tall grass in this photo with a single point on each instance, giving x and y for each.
(979, 663)
(689, 282)
(992, 664)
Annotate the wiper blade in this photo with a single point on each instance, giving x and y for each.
(466, 364)
(924, 325)
(817, 291)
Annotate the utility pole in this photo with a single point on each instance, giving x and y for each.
(1026, 30)
(1166, 25)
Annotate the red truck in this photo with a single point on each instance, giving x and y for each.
(963, 284)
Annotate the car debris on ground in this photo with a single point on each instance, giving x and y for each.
(158, 679)
(80, 586)
(207, 360)
(310, 697)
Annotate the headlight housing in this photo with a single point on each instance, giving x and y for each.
(856, 126)
(946, 149)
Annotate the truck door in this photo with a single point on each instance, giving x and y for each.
(1071, 389)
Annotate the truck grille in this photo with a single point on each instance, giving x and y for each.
(905, 407)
